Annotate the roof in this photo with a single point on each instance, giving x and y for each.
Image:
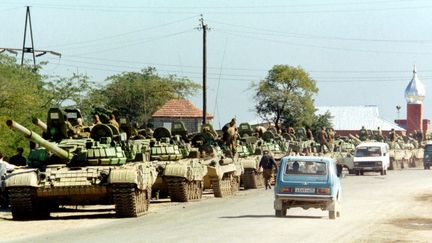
(180, 108)
(350, 118)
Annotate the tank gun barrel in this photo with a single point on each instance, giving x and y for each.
(40, 124)
(39, 140)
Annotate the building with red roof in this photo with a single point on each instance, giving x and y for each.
(180, 109)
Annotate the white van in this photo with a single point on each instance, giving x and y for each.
(371, 156)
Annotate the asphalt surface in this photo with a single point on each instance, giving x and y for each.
(392, 208)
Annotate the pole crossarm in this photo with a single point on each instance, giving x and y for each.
(38, 53)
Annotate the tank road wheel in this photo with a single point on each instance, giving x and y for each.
(22, 203)
(130, 201)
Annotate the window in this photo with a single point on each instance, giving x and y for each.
(368, 152)
(305, 168)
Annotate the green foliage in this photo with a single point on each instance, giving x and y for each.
(320, 121)
(285, 96)
(21, 96)
(73, 89)
(139, 94)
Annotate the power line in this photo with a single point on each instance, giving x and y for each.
(134, 43)
(309, 36)
(329, 47)
(225, 7)
(124, 33)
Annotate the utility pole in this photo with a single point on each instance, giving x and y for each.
(35, 53)
(24, 48)
(204, 28)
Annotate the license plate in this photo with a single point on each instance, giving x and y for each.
(304, 190)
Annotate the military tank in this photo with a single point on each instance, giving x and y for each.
(275, 144)
(101, 169)
(223, 172)
(249, 156)
(180, 172)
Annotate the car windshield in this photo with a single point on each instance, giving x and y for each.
(368, 152)
(305, 168)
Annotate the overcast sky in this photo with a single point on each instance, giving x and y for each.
(359, 52)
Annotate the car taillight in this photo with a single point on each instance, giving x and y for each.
(286, 189)
(323, 190)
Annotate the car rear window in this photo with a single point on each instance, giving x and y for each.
(368, 152)
(305, 168)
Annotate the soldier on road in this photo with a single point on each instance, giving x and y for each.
(267, 162)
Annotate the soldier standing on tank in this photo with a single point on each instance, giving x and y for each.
(331, 139)
(260, 130)
(419, 136)
(323, 136)
(267, 162)
(230, 135)
(18, 159)
(392, 137)
(291, 133)
(113, 121)
(96, 120)
(363, 134)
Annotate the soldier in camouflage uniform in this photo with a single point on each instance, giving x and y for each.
(363, 134)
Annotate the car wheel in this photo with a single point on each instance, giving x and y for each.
(361, 172)
(382, 171)
(278, 213)
(385, 172)
(357, 172)
(332, 214)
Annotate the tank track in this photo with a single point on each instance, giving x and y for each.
(252, 179)
(22, 203)
(222, 188)
(182, 190)
(130, 201)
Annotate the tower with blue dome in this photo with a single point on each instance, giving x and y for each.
(414, 95)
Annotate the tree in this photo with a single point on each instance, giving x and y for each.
(139, 94)
(22, 95)
(63, 89)
(285, 96)
(320, 121)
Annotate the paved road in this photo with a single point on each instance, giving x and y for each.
(396, 207)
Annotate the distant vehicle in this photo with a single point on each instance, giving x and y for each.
(427, 156)
(371, 156)
(308, 182)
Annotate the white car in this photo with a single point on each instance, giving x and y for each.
(371, 156)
